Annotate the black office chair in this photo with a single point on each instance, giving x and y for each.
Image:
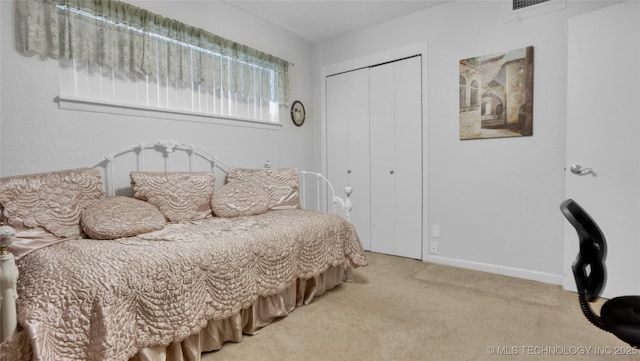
(619, 315)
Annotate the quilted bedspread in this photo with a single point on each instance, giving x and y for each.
(106, 299)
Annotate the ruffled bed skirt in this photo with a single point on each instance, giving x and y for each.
(247, 322)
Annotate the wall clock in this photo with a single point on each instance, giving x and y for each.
(298, 113)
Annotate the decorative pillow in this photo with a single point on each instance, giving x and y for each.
(117, 217)
(238, 199)
(280, 184)
(180, 196)
(52, 200)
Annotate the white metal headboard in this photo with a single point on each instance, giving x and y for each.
(312, 194)
(166, 148)
(322, 182)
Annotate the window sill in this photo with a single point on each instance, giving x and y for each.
(97, 106)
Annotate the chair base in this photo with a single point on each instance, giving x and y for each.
(621, 316)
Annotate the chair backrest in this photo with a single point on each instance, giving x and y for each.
(589, 268)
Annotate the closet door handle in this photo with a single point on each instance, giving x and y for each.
(391, 171)
(348, 171)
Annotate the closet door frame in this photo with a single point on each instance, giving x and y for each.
(364, 62)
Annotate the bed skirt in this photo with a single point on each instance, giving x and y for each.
(247, 322)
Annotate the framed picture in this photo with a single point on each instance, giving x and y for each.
(496, 95)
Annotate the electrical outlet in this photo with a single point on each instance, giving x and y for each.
(433, 247)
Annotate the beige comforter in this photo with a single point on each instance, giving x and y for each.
(104, 300)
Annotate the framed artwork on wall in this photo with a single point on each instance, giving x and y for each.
(496, 95)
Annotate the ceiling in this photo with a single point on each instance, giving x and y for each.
(318, 20)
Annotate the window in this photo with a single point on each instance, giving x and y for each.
(116, 53)
(474, 93)
(463, 92)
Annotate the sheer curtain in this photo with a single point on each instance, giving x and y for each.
(106, 36)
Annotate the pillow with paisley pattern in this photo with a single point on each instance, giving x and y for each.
(238, 199)
(52, 200)
(280, 184)
(180, 196)
(117, 217)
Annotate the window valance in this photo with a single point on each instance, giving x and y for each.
(129, 39)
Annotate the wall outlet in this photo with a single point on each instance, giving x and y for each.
(433, 247)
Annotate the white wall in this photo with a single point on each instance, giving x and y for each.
(496, 200)
(36, 136)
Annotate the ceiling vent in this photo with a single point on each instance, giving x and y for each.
(521, 4)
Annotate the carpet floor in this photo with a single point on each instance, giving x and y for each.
(404, 309)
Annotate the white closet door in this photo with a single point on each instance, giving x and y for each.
(396, 158)
(408, 157)
(358, 167)
(348, 143)
(336, 112)
(383, 185)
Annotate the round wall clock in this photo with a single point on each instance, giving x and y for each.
(298, 113)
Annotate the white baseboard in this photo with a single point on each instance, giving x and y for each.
(502, 270)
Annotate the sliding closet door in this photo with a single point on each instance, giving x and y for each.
(374, 144)
(383, 185)
(336, 112)
(347, 111)
(395, 93)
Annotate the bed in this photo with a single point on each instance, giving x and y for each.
(155, 260)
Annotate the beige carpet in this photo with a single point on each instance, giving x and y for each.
(403, 309)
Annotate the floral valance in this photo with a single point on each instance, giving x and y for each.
(129, 39)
